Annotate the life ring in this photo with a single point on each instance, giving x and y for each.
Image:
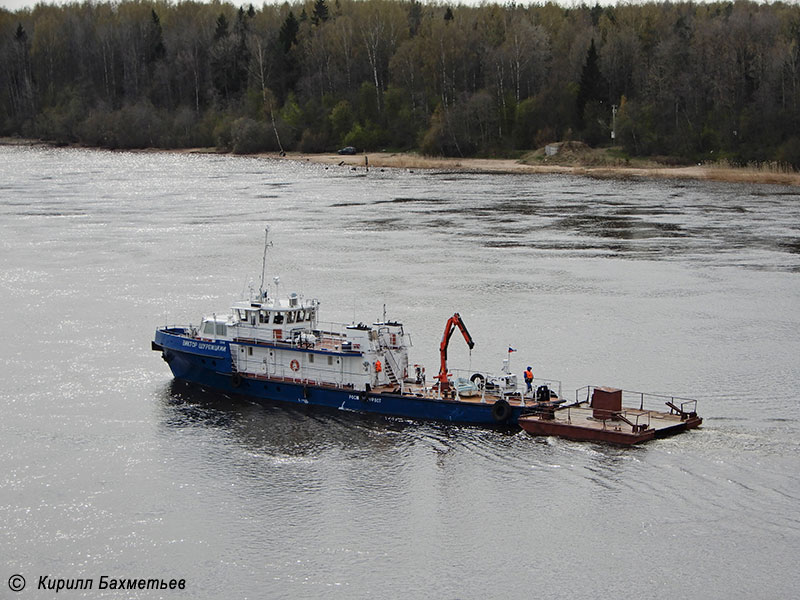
(294, 365)
(501, 411)
(479, 380)
(236, 380)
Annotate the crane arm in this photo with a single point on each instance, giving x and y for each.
(452, 323)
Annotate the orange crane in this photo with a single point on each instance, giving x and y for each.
(452, 323)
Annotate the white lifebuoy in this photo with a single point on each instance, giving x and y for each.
(294, 365)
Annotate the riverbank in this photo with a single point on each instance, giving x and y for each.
(411, 161)
(403, 160)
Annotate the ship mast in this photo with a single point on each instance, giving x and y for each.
(267, 244)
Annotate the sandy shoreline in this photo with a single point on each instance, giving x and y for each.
(412, 161)
(502, 165)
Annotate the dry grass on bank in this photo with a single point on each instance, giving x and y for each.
(611, 162)
(594, 163)
(766, 172)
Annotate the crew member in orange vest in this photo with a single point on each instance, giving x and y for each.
(528, 375)
(378, 366)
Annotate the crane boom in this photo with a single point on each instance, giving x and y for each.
(452, 323)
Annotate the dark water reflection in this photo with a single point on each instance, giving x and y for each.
(108, 466)
(274, 429)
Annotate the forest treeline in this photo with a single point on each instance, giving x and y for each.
(681, 80)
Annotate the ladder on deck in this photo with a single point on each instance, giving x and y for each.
(390, 374)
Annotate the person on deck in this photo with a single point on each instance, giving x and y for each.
(528, 375)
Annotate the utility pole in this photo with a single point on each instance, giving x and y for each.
(613, 121)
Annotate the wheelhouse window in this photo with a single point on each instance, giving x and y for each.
(208, 328)
(263, 316)
(278, 318)
(222, 329)
(290, 316)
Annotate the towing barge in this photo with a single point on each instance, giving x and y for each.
(602, 417)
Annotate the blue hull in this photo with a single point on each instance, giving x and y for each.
(209, 364)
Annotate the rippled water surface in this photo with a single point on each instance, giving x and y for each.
(108, 467)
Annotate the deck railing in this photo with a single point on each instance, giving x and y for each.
(519, 392)
(306, 373)
(645, 400)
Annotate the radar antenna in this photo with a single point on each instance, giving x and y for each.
(267, 244)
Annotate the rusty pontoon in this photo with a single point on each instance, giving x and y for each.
(602, 417)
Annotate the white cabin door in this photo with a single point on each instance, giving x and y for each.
(272, 365)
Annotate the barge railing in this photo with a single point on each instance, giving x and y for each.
(676, 404)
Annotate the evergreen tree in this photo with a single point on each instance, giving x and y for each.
(287, 37)
(414, 17)
(592, 86)
(156, 50)
(230, 57)
(21, 36)
(222, 27)
(20, 85)
(320, 12)
(288, 32)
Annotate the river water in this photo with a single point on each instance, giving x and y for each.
(109, 468)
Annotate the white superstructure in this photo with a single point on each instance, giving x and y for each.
(284, 339)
